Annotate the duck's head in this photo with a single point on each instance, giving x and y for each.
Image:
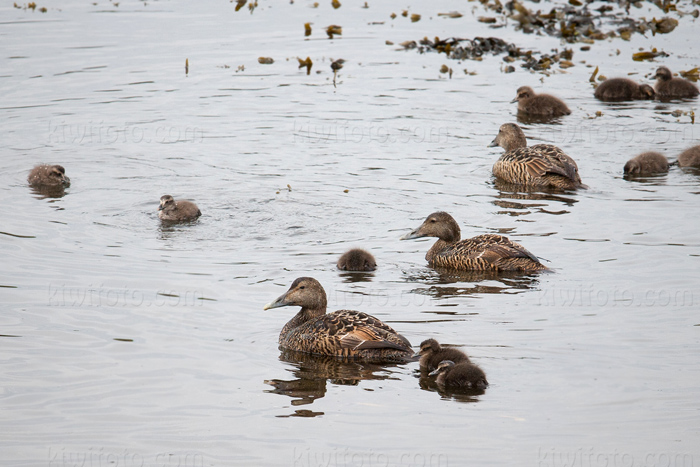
(427, 347)
(647, 91)
(305, 292)
(357, 259)
(523, 92)
(438, 224)
(166, 202)
(58, 174)
(663, 74)
(510, 137)
(443, 367)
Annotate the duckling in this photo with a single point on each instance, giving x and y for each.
(357, 259)
(623, 89)
(48, 176)
(690, 157)
(542, 165)
(431, 353)
(646, 163)
(668, 87)
(489, 252)
(463, 375)
(539, 104)
(343, 333)
(171, 210)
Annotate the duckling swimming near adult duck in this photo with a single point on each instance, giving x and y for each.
(690, 157)
(465, 375)
(543, 105)
(177, 211)
(489, 252)
(646, 163)
(357, 259)
(623, 89)
(48, 176)
(668, 87)
(431, 353)
(542, 165)
(343, 333)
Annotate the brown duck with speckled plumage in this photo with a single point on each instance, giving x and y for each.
(646, 163)
(489, 252)
(431, 353)
(48, 176)
(542, 165)
(690, 157)
(463, 375)
(357, 259)
(343, 333)
(542, 105)
(623, 89)
(177, 211)
(668, 87)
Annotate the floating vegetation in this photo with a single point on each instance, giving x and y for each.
(265, 60)
(415, 18)
(692, 75)
(307, 29)
(335, 66)
(306, 63)
(335, 4)
(240, 4)
(333, 30)
(641, 56)
(187, 66)
(32, 6)
(577, 21)
(451, 14)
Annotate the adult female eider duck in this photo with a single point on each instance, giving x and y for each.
(177, 211)
(489, 252)
(343, 333)
(623, 89)
(668, 87)
(431, 353)
(48, 176)
(542, 105)
(451, 375)
(690, 157)
(357, 259)
(542, 165)
(646, 163)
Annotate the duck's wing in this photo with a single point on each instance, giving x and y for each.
(358, 331)
(557, 161)
(495, 248)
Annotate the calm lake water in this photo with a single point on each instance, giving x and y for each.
(128, 343)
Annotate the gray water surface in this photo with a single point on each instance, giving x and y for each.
(127, 342)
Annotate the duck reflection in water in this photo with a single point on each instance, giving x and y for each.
(313, 372)
(542, 199)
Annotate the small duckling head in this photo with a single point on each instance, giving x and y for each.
(663, 74)
(167, 203)
(438, 224)
(510, 137)
(427, 347)
(646, 91)
(523, 92)
(443, 367)
(58, 173)
(357, 259)
(305, 292)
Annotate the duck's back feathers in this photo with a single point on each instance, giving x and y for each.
(541, 164)
(690, 157)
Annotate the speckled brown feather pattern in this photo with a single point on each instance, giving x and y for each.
(539, 165)
(488, 252)
(343, 333)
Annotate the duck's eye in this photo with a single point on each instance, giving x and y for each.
(433, 220)
(302, 287)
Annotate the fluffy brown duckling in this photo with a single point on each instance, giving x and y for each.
(489, 252)
(623, 89)
(542, 165)
(431, 353)
(646, 163)
(539, 104)
(48, 176)
(343, 333)
(690, 157)
(465, 375)
(668, 87)
(357, 259)
(177, 211)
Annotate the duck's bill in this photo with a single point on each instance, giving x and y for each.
(514, 101)
(417, 354)
(434, 372)
(411, 235)
(281, 301)
(493, 144)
